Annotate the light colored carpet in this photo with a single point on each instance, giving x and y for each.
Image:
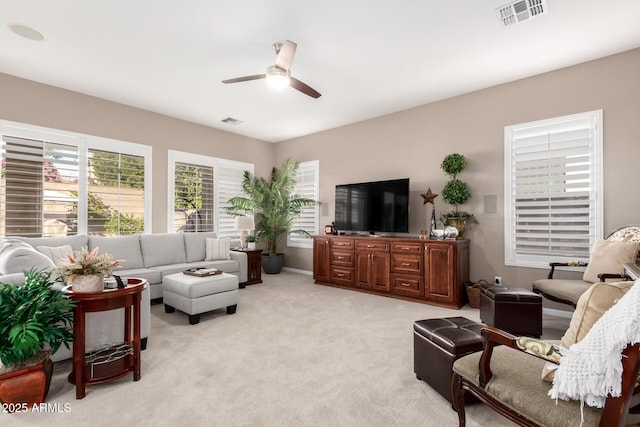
(294, 354)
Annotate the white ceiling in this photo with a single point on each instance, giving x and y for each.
(367, 57)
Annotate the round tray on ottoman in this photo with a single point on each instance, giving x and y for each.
(194, 295)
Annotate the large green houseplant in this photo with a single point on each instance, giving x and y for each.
(275, 208)
(456, 192)
(35, 320)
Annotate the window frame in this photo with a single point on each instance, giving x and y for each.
(207, 161)
(297, 241)
(595, 176)
(84, 143)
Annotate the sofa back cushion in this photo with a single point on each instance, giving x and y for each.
(126, 248)
(77, 242)
(57, 254)
(194, 244)
(163, 249)
(17, 256)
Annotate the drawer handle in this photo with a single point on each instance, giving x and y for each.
(406, 264)
(405, 248)
(340, 275)
(340, 257)
(405, 284)
(371, 246)
(340, 244)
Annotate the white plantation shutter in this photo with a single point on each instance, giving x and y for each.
(307, 183)
(51, 187)
(214, 181)
(193, 197)
(39, 187)
(116, 181)
(553, 189)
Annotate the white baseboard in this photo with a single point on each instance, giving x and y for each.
(557, 313)
(295, 270)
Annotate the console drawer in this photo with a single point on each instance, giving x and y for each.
(401, 263)
(342, 276)
(372, 246)
(342, 243)
(404, 284)
(342, 258)
(407, 247)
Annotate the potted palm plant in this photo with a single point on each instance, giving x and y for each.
(456, 192)
(35, 320)
(274, 206)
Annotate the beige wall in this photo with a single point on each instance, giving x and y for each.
(412, 144)
(37, 104)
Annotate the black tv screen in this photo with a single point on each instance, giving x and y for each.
(381, 206)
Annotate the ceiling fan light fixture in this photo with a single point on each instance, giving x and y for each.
(277, 78)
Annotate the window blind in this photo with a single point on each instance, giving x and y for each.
(115, 202)
(39, 186)
(193, 197)
(229, 176)
(307, 183)
(554, 197)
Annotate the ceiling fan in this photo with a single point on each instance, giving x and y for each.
(279, 74)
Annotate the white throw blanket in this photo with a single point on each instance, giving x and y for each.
(592, 369)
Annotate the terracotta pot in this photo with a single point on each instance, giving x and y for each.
(87, 283)
(25, 387)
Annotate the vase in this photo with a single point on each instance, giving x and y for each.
(251, 245)
(458, 223)
(87, 283)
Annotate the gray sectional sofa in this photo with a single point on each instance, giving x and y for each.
(148, 256)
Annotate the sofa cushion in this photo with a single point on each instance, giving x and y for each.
(17, 256)
(77, 242)
(126, 248)
(163, 249)
(609, 256)
(194, 244)
(57, 254)
(217, 249)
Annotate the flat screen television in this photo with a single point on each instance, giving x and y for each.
(380, 206)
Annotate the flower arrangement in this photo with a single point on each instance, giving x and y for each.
(85, 263)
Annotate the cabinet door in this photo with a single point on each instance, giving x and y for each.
(321, 271)
(379, 276)
(439, 273)
(372, 270)
(363, 269)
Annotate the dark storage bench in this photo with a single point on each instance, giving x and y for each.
(437, 343)
(517, 311)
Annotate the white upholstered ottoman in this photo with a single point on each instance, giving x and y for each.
(195, 295)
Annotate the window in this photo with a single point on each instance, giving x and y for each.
(199, 188)
(307, 184)
(553, 189)
(57, 183)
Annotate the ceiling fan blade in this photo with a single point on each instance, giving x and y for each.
(286, 54)
(304, 88)
(245, 78)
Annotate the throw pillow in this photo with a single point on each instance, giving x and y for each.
(217, 249)
(608, 256)
(600, 297)
(17, 257)
(56, 254)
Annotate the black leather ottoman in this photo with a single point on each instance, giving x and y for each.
(437, 343)
(516, 311)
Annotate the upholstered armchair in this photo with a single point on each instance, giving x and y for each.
(606, 262)
(591, 374)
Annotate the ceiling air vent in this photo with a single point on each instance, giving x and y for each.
(518, 11)
(231, 121)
